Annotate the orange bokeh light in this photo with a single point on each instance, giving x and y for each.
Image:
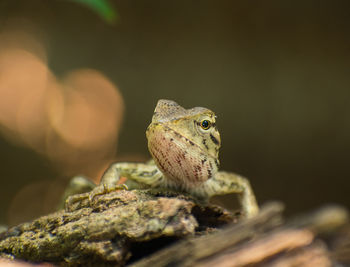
(92, 110)
(74, 122)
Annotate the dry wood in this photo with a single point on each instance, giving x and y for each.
(249, 243)
(140, 228)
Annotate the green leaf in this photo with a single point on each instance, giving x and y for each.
(102, 8)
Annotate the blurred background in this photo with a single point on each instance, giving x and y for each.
(79, 81)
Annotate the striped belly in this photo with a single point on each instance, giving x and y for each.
(179, 159)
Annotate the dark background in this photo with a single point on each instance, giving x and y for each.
(276, 74)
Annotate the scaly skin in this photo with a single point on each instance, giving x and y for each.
(184, 144)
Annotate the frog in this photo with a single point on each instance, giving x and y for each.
(184, 145)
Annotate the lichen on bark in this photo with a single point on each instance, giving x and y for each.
(107, 229)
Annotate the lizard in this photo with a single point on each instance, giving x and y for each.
(184, 145)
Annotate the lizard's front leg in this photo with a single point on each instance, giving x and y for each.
(138, 176)
(225, 183)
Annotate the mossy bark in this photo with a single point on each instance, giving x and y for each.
(143, 228)
(105, 230)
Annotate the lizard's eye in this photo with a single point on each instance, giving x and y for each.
(205, 124)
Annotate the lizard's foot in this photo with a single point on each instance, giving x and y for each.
(71, 200)
(98, 190)
(104, 189)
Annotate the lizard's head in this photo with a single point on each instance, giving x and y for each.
(184, 142)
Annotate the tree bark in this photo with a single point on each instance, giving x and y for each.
(140, 228)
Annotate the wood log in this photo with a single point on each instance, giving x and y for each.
(141, 228)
